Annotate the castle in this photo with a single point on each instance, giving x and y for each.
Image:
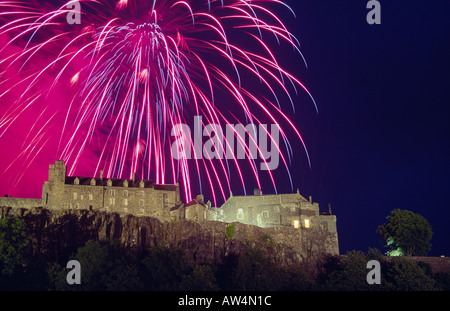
(144, 198)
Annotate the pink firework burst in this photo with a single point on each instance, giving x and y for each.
(107, 93)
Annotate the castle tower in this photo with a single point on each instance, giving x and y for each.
(53, 189)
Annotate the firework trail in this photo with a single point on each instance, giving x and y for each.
(132, 70)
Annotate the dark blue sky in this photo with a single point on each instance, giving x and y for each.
(381, 138)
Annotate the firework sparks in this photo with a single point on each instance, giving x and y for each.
(135, 70)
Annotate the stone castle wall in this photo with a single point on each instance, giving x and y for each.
(292, 214)
(20, 202)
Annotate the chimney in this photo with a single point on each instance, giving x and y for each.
(134, 175)
(310, 199)
(101, 174)
(257, 191)
(200, 199)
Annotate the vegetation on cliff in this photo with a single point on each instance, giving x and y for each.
(35, 249)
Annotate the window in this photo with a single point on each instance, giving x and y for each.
(165, 200)
(74, 196)
(142, 194)
(141, 203)
(125, 210)
(307, 223)
(276, 209)
(112, 192)
(112, 201)
(91, 197)
(70, 205)
(240, 214)
(81, 197)
(265, 214)
(142, 211)
(125, 202)
(292, 208)
(125, 193)
(77, 206)
(296, 224)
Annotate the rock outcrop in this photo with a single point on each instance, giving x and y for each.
(58, 234)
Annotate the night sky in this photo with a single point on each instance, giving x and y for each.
(381, 138)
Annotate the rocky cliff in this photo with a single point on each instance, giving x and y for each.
(57, 234)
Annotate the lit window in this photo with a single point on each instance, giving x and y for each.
(112, 201)
(112, 192)
(91, 197)
(125, 202)
(77, 206)
(74, 196)
(240, 214)
(296, 224)
(81, 197)
(307, 223)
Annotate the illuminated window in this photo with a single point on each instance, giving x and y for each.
(77, 206)
(240, 214)
(307, 223)
(81, 197)
(112, 201)
(296, 224)
(74, 196)
(125, 202)
(91, 197)
(112, 192)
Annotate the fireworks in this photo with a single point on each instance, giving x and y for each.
(134, 69)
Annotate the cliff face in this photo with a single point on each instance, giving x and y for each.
(57, 234)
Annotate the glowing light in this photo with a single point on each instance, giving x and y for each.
(307, 223)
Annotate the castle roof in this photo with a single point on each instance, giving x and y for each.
(119, 182)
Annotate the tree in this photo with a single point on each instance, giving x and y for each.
(407, 275)
(15, 246)
(406, 233)
(105, 265)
